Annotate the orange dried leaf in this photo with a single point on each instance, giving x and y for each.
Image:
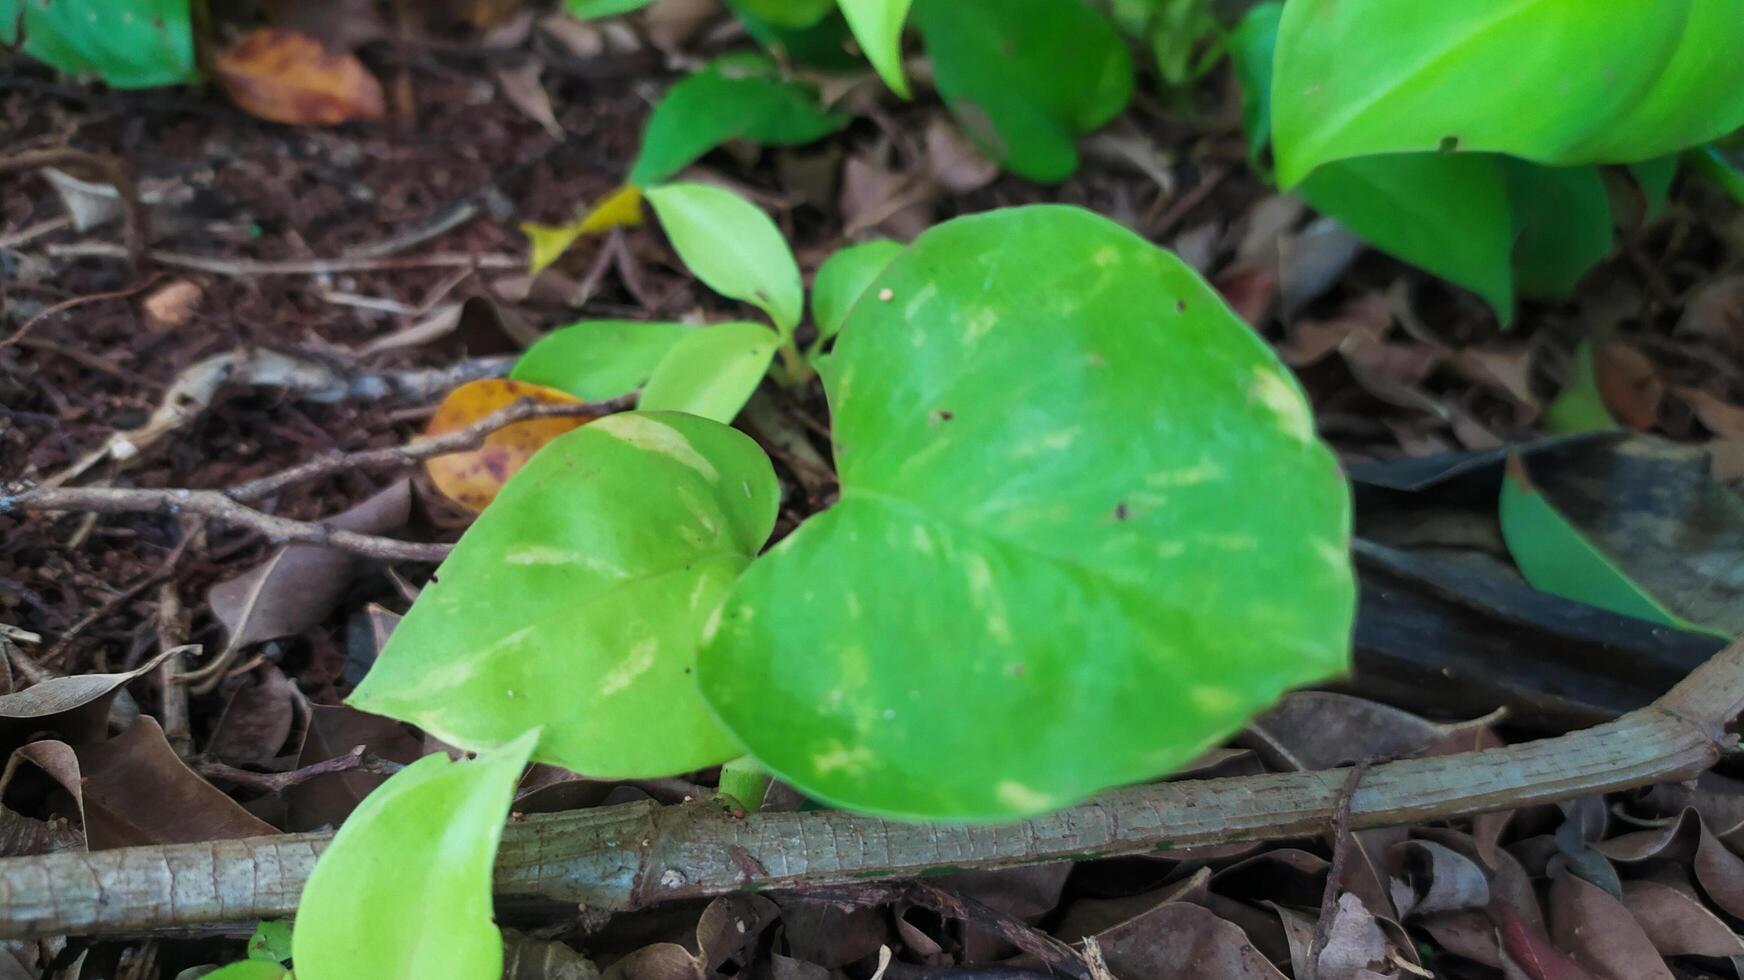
(473, 478)
(287, 76)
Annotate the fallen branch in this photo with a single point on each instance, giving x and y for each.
(249, 268)
(631, 856)
(215, 504)
(356, 760)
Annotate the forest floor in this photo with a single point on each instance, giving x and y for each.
(363, 345)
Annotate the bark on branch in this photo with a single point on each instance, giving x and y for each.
(631, 856)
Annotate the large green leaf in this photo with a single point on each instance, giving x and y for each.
(843, 278)
(1563, 218)
(789, 13)
(877, 25)
(1085, 530)
(1252, 45)
(712, 372)
(1447, 213)
(1557, 81)
(598, 359)
(1026, 77)
(824, 44)
(1632, 524)
(733, 247)
(740, 99)
(404, 890)
(576, 599)
(127, 43)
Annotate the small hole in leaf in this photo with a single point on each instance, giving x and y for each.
(1120, 511)
(1449, 144)
(1180, 306)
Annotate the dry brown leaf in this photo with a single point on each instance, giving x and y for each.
(533, 959)
(1309, 341)
(874, 198)
(1427, 877)
(1629, 384)
(1687, 841)
(74, 708)
(1599, 933)
(1091, 916)
(953, 160)
(1527, 954)
(1354, 944)
(1716, 311)
(256, 720)
(521, 86)
(1321, 730)
(1721, 417)
(829, 935)
(287, 76)
(334, 730)
(1677, 924)
(1179, 941)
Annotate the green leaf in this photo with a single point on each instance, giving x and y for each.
(127, 43)
(733, 247)
(737, 100)
(249, 970)
(596, 360)
(877, 25)
(842, 279)
(1026, 77)
(1251, 46)
(271, 942)
(1580, 407)
(592, 9)
(404, 890)
(712, 372)
(824, 44)
(1632, 524)
(575, 600)
(789, 13)
(1563, 216)
(1546, 80)
(1654, 177)
(1446, 213)
(1061, 560)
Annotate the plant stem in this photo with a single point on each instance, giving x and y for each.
(745, 780)
(631, 856)
(1712, 164)
(797, 370)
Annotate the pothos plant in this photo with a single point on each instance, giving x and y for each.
(1085, 531)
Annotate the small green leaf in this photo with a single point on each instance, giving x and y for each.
(1632, 524)
(1580, 407)
(127, 43)
(1545, 80)
(841, 280)
(1061, 560)
(1563, 217)
(711, 373)
(737, 100)
(824, 44)
(404, 890)
(789, 13)
(249, 970)
(1447, 213)
(1251, 46)
(271, 942)
(877, 25)
(733, 247)
(596, 360)
(1026, 77)
(575, 600)
(592, 9)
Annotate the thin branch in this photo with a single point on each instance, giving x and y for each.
(67, 304)
(215, 504)
(356, 760)
(459, 440)
(634, 855)
(249, 268)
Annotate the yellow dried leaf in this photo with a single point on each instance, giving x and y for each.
(287, 76)
(472, 478)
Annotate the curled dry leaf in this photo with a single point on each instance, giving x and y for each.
(1716, 311)
(533, 959)
(1321, 730)
(334, 730)
(1599, 932)
(1427, 877)
(472, 478)
(1178, 941)
(1527, 954)
(287, 76)
(1677, 923)
(75, 708)
(1718, 870)
(256, 721)
(1355, 944)
(1629, 384)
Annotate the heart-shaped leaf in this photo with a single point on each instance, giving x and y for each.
(575, 601)
(744, 98)
(127, 43)
(712, 372)
(842, 279)
(1026, 77)
(877, 25)
(733, 247)
(1546, 80)
(404, 890)
(1085, 530)
(597, 360)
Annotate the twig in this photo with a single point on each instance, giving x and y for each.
(634, 855)
(172, 633)
(356, 760)
(215, 504)
(459, 440)
(64, 642)
(67, 304)
(133, 228)
(246, 268)
(1184, 205)
(1341, 844)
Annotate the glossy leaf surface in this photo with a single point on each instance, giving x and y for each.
(575, 601)
(712, 372)
(404, 890)
(598, 359)
(733, 247)
(1086, 529)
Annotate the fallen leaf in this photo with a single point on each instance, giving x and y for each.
(521, 86)
(1427, 877)
(1629, 384)
(1721, 417)
(472, 478)
(74, 708)
(1716, 311)
(1179, 941)
(1677, 924)
(830, 936)
(1321, 730)
(1687, 841)
(287, 76)
(295, 589)
(533, 959)
(876, 199)
(953, 160)
(1599, 933)
(730, 926)
(1354, 944)
(334, 730)
(1091, 916)
(621, 208)
(256, 721)
(1527, 953)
